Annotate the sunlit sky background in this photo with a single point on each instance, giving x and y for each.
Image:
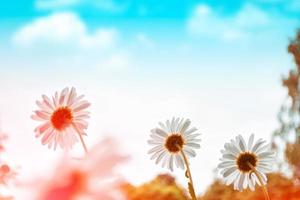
(218, 63)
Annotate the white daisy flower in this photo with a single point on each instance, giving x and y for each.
(244, 165)
(171, 140)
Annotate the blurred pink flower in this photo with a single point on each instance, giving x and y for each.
(3, 138)
(62, 118)
(6, 198)
(92, 178)
(6, 174)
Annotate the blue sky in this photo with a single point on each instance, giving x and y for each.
(150, 36)
(127, 9)
(160, 30)
(218, 63)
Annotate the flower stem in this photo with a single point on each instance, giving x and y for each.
(81, 139)
(191, 184)
(267, 197)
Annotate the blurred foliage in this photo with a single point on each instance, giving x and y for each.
(292, 154)
(163, 187)
(279, 188)
(286, 139)
(289, 115)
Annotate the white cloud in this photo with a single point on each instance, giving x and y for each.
(208, 22)
(251, 16)
(144, 40)
(63, 41)
(115, 62)
(107, 5)
(63, 29)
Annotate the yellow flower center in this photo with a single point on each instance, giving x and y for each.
(174, 143)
